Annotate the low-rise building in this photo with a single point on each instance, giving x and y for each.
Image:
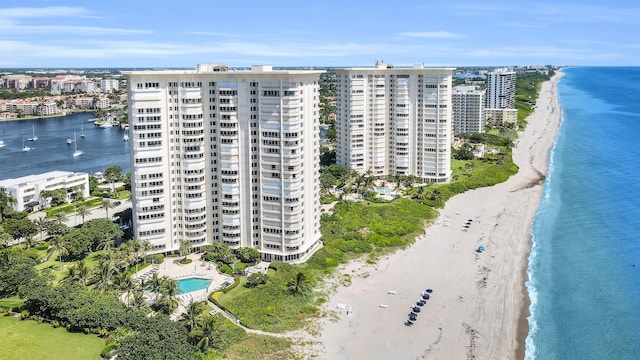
(501, 116)
(26, 190)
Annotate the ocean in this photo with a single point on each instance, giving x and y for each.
(101, 147)
(584, 266)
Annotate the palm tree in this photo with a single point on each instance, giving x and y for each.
(136, 299)
(184, 248)
(106, 205)
(436, 195)
(6, 201)
(83, 273)
(60, 217)
(169, 290)
(207, 331)
(105, 244)
(191, 316)
(123, 282)
(41, 224)
(103, 276)
(299, 284)
(83, 211)
(58, 244)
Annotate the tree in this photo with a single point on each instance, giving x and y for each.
(83, 211)
(6, 202)
(169, 292)
(54, 228)
(103, 276)
(113, 174)
(206, 332)
(299, 284)
(106, 205)
(247, 254)
(41, 224)
(79, 272)
(191, 315)
(60, 217)
(58, 244)
(185, 248)
(22, 228)
(156, 338)
(256, 279)
(103, 232)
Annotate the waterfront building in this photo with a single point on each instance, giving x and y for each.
(501, 89)
(395, 121)
(500, 117)
(468, 109)
(26, 190)
(228, 156)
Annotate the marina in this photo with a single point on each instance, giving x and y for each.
(55, 146)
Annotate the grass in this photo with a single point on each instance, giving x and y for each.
(258, 347)
(10, 303)
(31, 340)
(94, 203)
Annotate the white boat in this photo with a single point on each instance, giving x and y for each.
(34, 137)
(1, 144)
(24, 147)
(125, 137)
(81, 130)
(69, 141)
(77, 152)
(106, 124)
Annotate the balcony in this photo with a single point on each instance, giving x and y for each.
(146, 95)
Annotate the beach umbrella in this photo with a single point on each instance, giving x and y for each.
(429, 290)
(421, 303)
(416, 309)
(481, 248)
(413, 318)
(426, 296)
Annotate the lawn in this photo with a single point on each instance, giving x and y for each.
(31, 340)
(10, 303)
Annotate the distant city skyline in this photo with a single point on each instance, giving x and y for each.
(145, 33)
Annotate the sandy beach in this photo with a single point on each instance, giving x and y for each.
(479, 303)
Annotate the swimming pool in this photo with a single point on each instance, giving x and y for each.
(383, 191)
(192, 284)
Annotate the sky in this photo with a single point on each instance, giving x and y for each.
(161, 34)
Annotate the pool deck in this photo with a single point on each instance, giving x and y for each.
(171, 268)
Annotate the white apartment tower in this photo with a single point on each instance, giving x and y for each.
(395, 121)
(501, 89)
(468, 109)
(226, 156)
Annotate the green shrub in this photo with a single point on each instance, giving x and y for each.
(106, 352)
(232, 286)
(185, 261)
(224, 268)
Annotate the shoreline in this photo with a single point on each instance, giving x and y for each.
(47, 117)
(480, 303)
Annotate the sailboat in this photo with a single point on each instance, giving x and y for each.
(1, 143)
(34, 137)
(69, 141)
(81, 130)
(77, 152)
(24, 147)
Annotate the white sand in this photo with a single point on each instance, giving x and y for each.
(479, 299)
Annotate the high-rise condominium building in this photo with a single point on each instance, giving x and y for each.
(395, 121)
(501, 89)
(468, 109)
(227, 156)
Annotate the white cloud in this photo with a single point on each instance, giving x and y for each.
(51, 11)
(432, 35)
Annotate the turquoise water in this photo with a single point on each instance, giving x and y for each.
(383, 191)
(584, 267)
(192, 284)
